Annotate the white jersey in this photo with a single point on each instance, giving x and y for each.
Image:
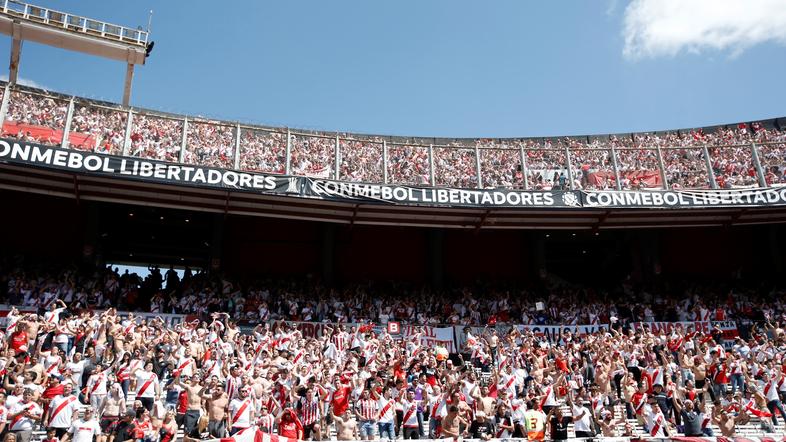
(655, 422)
(549, 400)
(410, 419)
(21, 422)
(84, 431)
(584, 416)
(96, 384)
(61, 410)
(53, 317)
(387, 410)
(77, 368)
(240, 412)
(184, 366)
(146, 384)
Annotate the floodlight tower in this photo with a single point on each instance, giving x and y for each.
(23, 21)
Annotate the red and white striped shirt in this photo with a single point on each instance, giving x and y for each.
(265, 423)
(309, 410)
(367, 409)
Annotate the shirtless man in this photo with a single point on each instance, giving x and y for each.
(608, 425)
(699, 369)
(603, 376)
(113, 408)
(485, 402)
(452, 423)
(346, 426)
(191, 419)
(727, 422)
(217, 403)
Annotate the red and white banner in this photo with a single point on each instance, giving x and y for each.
(430, 337)
(552, 333)
(729, 328)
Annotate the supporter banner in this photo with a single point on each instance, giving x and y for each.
(729, 328)
(554, 333)
(14, 152)
(430, 336)
(550, 333)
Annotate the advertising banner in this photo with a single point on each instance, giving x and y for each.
(138, 169)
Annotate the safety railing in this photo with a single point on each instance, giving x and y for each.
(735, 158)
(74, 23)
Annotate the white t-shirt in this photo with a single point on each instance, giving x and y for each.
(77, 368)
(53, 317)
(142, 378)
(63, 417)
(585, 423)
(84, 431)
(25, 423)
(387, 410)
(96, 384)
(242, 420)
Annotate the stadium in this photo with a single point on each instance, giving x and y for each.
(167, 276)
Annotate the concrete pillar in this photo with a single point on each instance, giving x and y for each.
(16, 53)
(127, 84)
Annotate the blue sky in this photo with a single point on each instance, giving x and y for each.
(441, 68)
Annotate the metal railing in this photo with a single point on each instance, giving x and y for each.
(76, 23)
(531, 164)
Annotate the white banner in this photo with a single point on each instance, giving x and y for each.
(551, 333)
(729, 328)
(554, 333)
(431, 337)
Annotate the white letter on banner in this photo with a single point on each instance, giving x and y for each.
(60, 158)
(39, 155)
(74, 161)
(5, 149)
(145, 169)
(92, 163)
(213, 176)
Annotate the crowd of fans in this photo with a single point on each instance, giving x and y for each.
(106, 128)
(38, 117)
(211, 378)
(263, 151)
(307, 299)
(313, 156)
(361, 160)
(156, 138)
(210, 144)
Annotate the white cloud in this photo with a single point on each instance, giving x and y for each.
(655, 28)
(24, 82)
